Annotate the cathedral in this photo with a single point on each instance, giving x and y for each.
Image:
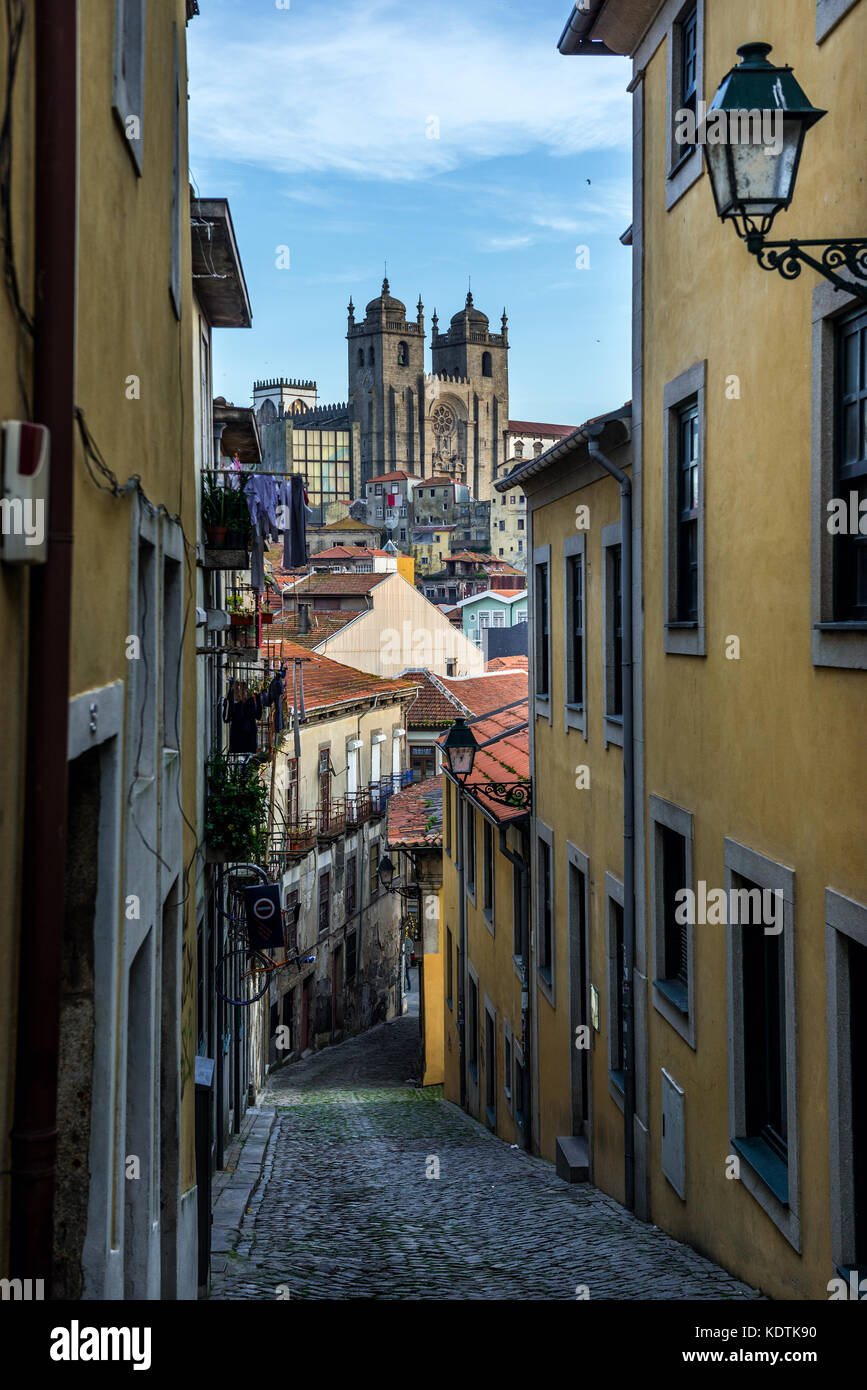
(450, 422)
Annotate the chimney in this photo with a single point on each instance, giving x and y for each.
(303, 618)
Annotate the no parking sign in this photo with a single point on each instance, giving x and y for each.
(264, 917)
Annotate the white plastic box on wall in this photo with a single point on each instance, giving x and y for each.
(24, 500)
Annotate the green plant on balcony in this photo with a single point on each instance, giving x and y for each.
(225, 514)
(236, 813)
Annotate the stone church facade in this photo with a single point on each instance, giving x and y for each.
(450, 422)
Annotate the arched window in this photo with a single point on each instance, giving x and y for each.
(537, 447)
(361, 357)
(267, 412)
(519, 448)
(487, 367)
(402, 354)
(371, 357)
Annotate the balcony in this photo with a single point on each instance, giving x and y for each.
(381, 791)
(292, 843)
(225, 520)
(358, 807)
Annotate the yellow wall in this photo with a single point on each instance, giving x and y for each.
(591, 818)
(490, 953)
(406, 567)
(760, 749)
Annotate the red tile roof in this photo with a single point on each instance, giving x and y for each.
(507, 760)
(515, 662)
(322, 625)
(337, 585)
(328, 682)
(434, 708)
(533, 427)
(415, 815)
(344, 552)
(396, 477)
(478, 694)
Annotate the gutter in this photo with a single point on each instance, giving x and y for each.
(581, 435)
(34, 1129)
(575, 38)
(595, 451)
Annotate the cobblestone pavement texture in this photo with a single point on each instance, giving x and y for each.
(344, 1209)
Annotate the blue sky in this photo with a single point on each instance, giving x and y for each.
(317, 122)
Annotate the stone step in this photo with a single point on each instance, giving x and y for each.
(573, 1158)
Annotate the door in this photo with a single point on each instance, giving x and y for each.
(337, 989)
(581, 1030)
(305, 1014)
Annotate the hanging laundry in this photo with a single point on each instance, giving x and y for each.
(241, 712)
(274, 696)
(295, 534)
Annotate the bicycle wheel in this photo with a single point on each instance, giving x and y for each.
(243, 975)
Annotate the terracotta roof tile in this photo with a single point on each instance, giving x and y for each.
(488, 691)
(322, 625)
(514, 662)
(434, 708)
(328, 682)
(336, 585)
(415, 815)
(533, 427)
(507, 760)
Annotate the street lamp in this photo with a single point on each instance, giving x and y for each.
(753, 177)
(385, 873)
(460, 748)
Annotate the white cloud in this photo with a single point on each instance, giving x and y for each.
(506, 243)
(350, 88)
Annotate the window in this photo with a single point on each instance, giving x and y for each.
(324, 901)
(760, 1017)
(470, 850)
(371, 357)
(484, 618)
(490, 1067)
(617, 975)
(290, 905)
(502, 525)
(518, 942)
(689, 60)
(128, 73)
(575, 648)
(402, 354)
(324, 787)
(361, 357)
(685, 59)
(520, 523)
(451, 666)
(850, 473)
(487, 368)
(613, 646)
(351, 884)
(473, 1026)
(374, 868)
(450, 969)
(683, 513)
(542, 598)
(687, 514)
(488, 870)
(671, 870)
(545, 906)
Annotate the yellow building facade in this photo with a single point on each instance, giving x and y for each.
(107, 738)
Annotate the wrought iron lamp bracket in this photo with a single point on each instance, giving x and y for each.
(841, 253)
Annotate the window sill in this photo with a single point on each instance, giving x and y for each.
(613, 730)
(854, 626)
(766, 1164)
(676, 993)
(687, 626)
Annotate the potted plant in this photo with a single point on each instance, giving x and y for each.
(236, 813)
(213, 511)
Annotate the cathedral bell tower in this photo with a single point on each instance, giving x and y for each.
(386, 384)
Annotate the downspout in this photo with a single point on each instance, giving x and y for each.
(34, 1129)
(462, 947)
(594, 432)
(526, 1021)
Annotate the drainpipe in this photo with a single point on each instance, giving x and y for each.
(462, 949)
(526, 1021)
(594, 432)
(34, 1130)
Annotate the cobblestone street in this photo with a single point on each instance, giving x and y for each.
(344, 1209)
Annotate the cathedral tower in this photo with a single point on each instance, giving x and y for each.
(386, 385)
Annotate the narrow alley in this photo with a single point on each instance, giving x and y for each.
(345, 1209)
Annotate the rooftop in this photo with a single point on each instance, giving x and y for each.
(533, 427)
(398, 477)
(508, 760)
(487, 691)
(434, 708)
(415, 815)
(516, 661)
(322, 626)
(336, 585)
(328, 682)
